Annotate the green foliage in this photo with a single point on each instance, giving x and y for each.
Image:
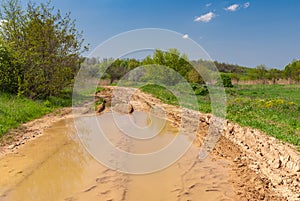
(98, 102)
(148, 60)
(200, 90)
(292, 70)
(99, 89)
(229, 68)
(117, 69)
(161, 75)
(180, 64)
(225, 81)
(273, 109)
(235, 76)
(167, 68)
(173, 60)
(47, 103)
(161, 93)
(194, 77)
(64, 99)
(261, 71)
(274, 75)
(16, 110)
(46, 49)
(9, 70)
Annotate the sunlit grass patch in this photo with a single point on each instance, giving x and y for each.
(16, 110)
(274, 109)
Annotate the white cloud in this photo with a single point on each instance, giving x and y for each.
(185, 36)
(232, 8)
(208, 4)
(205, 18)
(246, 5)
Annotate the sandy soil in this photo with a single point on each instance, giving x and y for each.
(260, 167)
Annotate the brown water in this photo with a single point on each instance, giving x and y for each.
(57, 167)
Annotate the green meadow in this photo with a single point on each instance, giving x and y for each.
(273, 109)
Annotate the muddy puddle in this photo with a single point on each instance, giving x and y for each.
(56, 166)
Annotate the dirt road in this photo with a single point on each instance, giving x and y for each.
(53, 165)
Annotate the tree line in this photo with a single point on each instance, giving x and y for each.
(40, 54)
(291, 72)
(165, 67)
(40, 49)
(178, 62)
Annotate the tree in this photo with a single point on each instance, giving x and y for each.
(261, 72)
(46, 46)
(292, 70)
(236, 77)
(133, 63)
(159, 58)
(273, 75)
(171, 59)
(194, 77)
(225, 81)
(258, 73)
(117, 70)
(9, 70)
(148, 60)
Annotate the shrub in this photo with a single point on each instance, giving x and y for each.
(225, 80)
(199, 89)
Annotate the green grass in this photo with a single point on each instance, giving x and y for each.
(162, 93)
(166, 96)
(17, 110)
(274, 109)
(99, 89)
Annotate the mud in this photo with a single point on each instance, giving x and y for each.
(245, 164)
(57, 167)
(263, 167)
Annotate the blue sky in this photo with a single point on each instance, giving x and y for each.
(246, 32)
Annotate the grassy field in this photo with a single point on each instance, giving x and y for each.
(274, 109)
(17, 110)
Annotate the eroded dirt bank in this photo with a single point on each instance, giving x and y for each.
(258, 167)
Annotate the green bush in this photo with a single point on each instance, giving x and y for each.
(200, 90)
(9, 70)
(225, 81)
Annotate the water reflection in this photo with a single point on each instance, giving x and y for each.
(104, 138)
(57, 167)
(61, 169)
